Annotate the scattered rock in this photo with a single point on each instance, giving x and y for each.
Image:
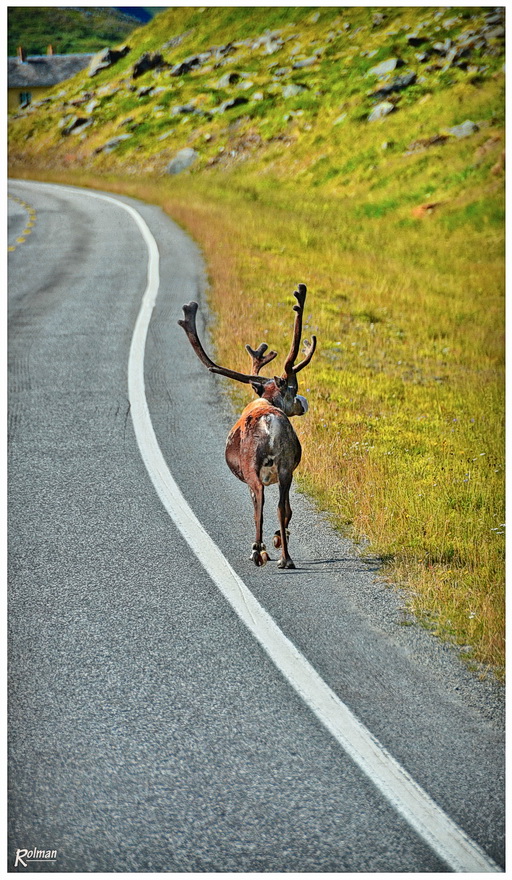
(228, 79)
(306, 62)
(442, 48)
(495, 17)
(397, 85)
(495, 33)
(82, 99)
(415, 39)
(293, 89)
(143, 93)
(74, 124)
(146, 62)
(232, 102)
(182, 160)
(113, 143)
(465, 129)
(186, 66)
(184, 108)
(381, 110)
(270, 43)
(386, 67)
(224, 51)
(106, 58)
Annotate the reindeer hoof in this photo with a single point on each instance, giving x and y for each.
(277, 538)
(259, 555)
(286, 563)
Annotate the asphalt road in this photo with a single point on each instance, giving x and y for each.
(149, 730)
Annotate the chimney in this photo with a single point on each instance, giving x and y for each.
(49, 50)
(22, 55)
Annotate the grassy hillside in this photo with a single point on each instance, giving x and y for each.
(396, 225)
(67, 29)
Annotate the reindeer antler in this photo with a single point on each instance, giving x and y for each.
(289, 368)
(258, 356)
(189, 326)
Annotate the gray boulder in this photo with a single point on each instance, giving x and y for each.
(495, 33)
(293, 89)
(106, 58)
(114, 142)
(385, 67)
(182, 160)
(416, 39)
(179, 109)
(465, 129)
(396, 85)
(495, 16)
(306, 62)
(75, 124)
(271, 44)
(233, 102)
(442, 48)
(146, 62)
(381, 110)
(228, 79)
(190, 63)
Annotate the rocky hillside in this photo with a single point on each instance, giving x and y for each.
(199, 88)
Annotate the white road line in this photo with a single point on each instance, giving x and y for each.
(430, 822)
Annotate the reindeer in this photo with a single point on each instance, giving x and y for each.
(262, 448)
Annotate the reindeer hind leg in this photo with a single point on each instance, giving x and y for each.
(259, 553)
(288, 515)
(285, 514)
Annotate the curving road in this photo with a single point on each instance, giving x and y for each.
(149, 728)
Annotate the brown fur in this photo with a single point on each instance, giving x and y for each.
(263, 443)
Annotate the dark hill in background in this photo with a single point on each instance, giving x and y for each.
(69, 29)
(140, 13)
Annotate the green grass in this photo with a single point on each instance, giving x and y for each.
(404, 441)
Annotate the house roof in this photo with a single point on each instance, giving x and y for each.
(44, 70)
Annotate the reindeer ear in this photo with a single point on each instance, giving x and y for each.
(258, 387)
(280, 382)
